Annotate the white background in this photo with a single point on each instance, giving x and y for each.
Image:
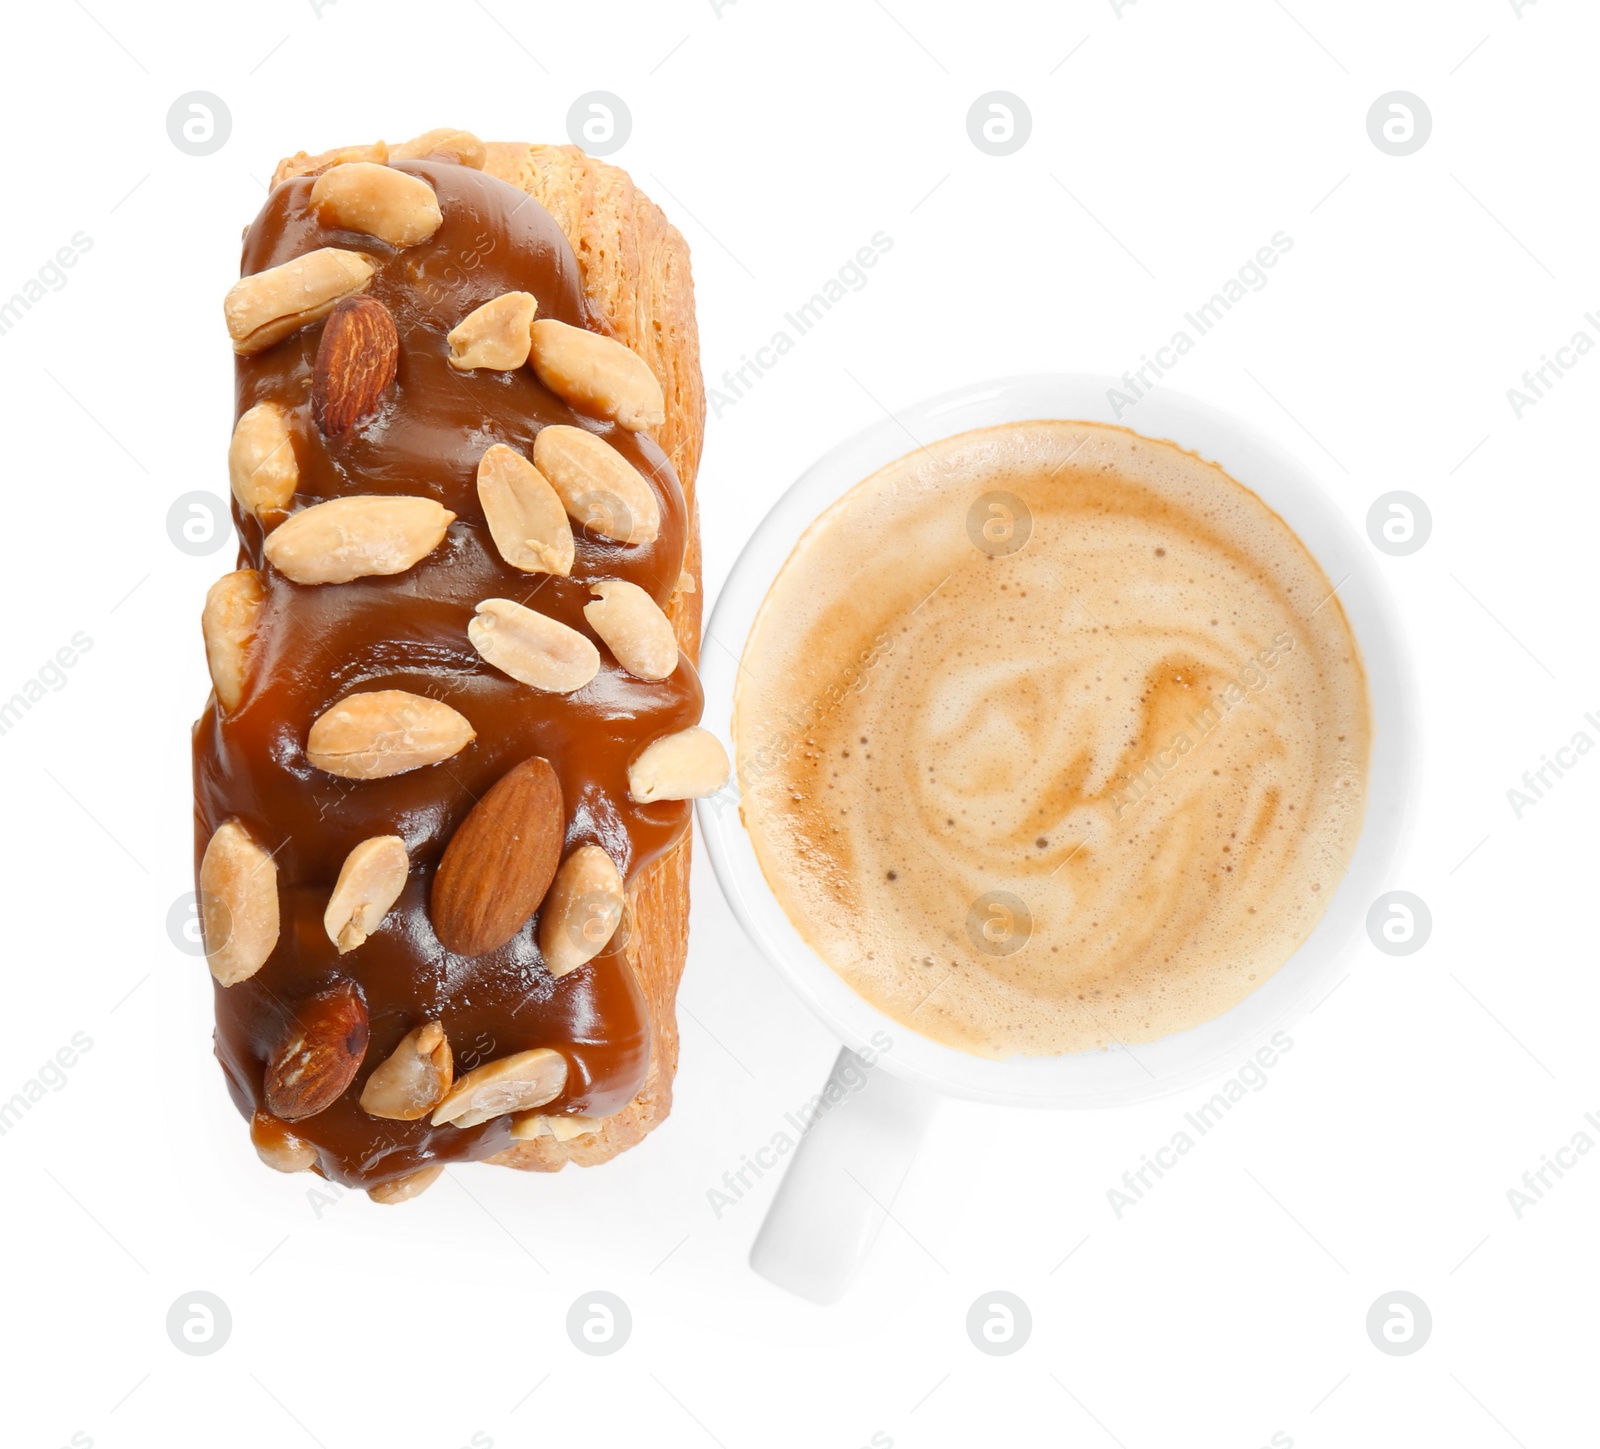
(1168, 144)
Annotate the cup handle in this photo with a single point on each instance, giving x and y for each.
(853, 1156)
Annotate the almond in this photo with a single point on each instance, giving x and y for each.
(229, 622)
(494, 335)
(444, 144)
(597, 375)
(681, 766)
(373, 734)
(634, 628)
(266, 307)
(531, 648)
(320, 1054)
(357, 360)
(525, 517)
(414, 1079)
(370, 881)
(516, 1083)
(261, 464)
(377, 200)
(407, 1186)
(278, 1146)
(597, 485)
(582, 912)
(500, 861)
(238, 904)
(356, 538)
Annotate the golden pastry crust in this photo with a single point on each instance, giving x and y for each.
(636, 277)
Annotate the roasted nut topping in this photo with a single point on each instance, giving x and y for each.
(563, 1127)
(525, 517)
(228, 622)
(512, 1084)
(278, 1146)
(370, 881)
(373, 734)
(633, 627)
(683, 766)
(355, 538)
(532, 648)
(415, 1078)
(238, 904)
(320, 1055)
(494, 335)
(267, 306)
(597, 374)
(357, 360)
(261, 462)
(500, 861)
(444, 144)
(582, 912)
(379, 201)
(403, 1189)
(597, 485)
(301, 164)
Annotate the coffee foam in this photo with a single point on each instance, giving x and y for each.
(1093, 790)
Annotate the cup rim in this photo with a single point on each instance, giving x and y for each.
(1121, 1074)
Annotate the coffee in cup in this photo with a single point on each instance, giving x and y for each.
(1049, 737)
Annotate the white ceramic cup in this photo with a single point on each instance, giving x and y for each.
(852, 1159)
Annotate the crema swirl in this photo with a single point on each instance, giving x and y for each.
(1051, 736)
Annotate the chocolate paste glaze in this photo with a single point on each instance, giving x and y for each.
(316, 644)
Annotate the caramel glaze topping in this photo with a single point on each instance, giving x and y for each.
(315, 644)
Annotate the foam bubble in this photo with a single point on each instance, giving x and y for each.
(1093, 790)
